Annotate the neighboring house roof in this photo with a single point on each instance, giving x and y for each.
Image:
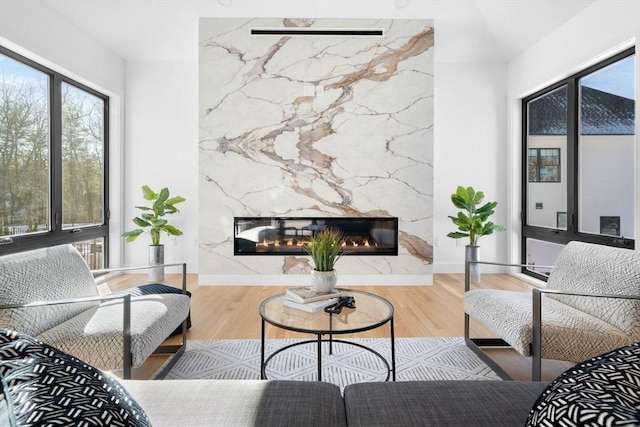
(602, 113)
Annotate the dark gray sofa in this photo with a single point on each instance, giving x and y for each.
(297, 403)
(441, 403)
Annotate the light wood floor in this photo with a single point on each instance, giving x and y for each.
(231, 312)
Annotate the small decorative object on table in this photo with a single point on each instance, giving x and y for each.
(343, 301)
(472, 222)
(325, 250)
(309, 307)
(306, 294)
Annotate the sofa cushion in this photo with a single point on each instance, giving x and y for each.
(45, 386)
(239, 402)
(440, 403)
(602, 391)
(53, 273)
(96, 334)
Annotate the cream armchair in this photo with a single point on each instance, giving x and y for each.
(591, 305)
(51, 294)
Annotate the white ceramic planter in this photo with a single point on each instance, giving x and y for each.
(323, 281)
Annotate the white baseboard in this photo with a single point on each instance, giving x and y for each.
(458, 268)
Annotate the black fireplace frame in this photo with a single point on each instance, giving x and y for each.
(348, 225)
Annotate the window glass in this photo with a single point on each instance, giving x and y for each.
(544, 165)
(24, 149)
(92, 251)
(546, 141)
(82, 157)
(606, 150)
(542, 254)
(578, 161)
(53, 161)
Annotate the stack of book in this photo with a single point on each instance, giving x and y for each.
(306, 299)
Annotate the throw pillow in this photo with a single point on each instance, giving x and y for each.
(44, 386)
(603, 391)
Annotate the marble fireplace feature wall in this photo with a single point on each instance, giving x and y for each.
(310, 126)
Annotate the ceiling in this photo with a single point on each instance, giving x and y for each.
(466, 30)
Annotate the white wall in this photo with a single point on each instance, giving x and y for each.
(470, 135)
(600, 31)
(161, 150)
(37, 30)
(33, 30)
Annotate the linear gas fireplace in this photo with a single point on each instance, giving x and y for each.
(288, 236)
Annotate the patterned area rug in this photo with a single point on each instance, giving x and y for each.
(416, 359)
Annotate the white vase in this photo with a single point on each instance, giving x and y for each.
(323, 281)
(472, 253)
(156, 257)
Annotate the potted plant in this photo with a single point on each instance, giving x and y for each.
(324, 247)
(472, 222)
(152, 222)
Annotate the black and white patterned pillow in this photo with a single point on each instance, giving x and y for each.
(43, 386)
(603, 391)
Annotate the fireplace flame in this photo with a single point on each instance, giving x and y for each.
(266, 244)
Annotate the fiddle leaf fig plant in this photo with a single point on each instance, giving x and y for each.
(473, 219)
(152, 218)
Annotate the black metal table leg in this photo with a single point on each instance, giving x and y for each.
(330, 333)
(262, 367)
(319, 357)
(393, 350)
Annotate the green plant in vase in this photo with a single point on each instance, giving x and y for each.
(473, 222)
(324, 247)
(152, 222)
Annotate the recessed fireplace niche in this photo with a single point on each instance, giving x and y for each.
(288, 236)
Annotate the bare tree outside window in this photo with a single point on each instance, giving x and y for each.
(24, 149)
(53, 162)
(82, 154)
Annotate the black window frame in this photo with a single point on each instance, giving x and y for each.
(558, 235)
(57, 235)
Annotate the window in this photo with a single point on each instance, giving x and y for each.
(578, 162)
(544, 165)
(53, 162)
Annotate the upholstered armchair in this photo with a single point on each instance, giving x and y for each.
(590, 305)
(51, 294)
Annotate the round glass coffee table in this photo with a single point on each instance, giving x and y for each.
(372, 311)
